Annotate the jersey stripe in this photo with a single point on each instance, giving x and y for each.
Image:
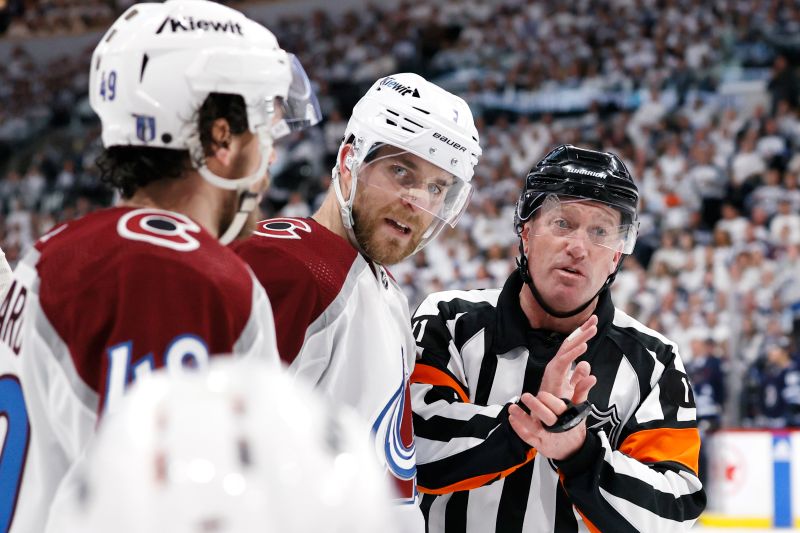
(656, 445)
(478, 481)
(434, 376)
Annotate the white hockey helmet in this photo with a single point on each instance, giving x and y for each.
(414, 116)
(238, 448)
(155, 66)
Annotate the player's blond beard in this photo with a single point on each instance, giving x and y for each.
(384, 251)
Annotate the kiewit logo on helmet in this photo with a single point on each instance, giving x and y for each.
(392, 83)
(449, 141)
(191, 24)
(587, 172)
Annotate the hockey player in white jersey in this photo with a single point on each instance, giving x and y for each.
(402, 174)
(237, 449)
(191, 95)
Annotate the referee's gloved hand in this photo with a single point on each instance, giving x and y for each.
(559, 379)
(544, 411)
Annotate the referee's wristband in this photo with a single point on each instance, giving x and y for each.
(582, 460)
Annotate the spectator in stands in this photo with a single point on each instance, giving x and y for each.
(779, 384)
(784, 228)
(708, 383)
(783, 85)
(746, 165)
(707, 184)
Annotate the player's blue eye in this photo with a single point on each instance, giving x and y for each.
(398, 171)
(434, 189)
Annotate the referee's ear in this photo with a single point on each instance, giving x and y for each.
(615, 259)
(524, 235)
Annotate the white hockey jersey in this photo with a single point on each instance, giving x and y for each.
(343, 324)
(97, 303)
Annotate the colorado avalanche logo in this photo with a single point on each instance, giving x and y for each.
(394, 441)
(162, 228)
(282, 228)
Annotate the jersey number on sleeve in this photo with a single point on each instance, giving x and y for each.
(14, 435)
(184, 351)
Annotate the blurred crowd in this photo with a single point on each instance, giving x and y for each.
(27, 18)
(717, 264)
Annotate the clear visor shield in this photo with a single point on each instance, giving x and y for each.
(300, 108)
(579, 218)
(437, 195)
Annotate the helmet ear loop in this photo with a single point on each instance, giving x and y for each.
(522, 264)
(345, 205)
(522, 260)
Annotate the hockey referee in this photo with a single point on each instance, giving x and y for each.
(540, 407)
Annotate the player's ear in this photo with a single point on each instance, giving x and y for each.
(220, 145)
(346, 162)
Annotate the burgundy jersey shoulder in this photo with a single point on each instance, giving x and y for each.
(146, 277)
(302, 266)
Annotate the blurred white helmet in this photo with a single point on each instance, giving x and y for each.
(414, 116)
(237, 449)
(155, 66)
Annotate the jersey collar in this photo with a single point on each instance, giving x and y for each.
(512, 329)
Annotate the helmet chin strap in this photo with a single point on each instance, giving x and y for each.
(248, 201)
(247, 195)
(346, 205)
(522, 266)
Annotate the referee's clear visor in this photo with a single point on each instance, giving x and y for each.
(580, 218)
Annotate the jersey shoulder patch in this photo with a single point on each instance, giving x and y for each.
(282, 228)
(281, 244)
(160, 228)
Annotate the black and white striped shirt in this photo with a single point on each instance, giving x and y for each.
(476, 353)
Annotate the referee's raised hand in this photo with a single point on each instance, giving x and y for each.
(559, 380)
(544, 411)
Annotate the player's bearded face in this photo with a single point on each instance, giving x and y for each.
(398, 195)
(387, 227)
(382, 243)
